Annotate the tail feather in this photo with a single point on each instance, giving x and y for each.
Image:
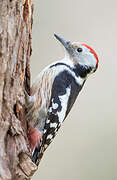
(37, 155)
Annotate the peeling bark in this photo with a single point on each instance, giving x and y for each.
(15, 52)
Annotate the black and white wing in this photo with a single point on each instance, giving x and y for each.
(64, 92)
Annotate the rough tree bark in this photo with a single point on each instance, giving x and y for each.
(15, 51)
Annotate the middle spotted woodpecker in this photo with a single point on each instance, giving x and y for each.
(54, 93)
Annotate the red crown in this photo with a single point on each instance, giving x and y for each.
(92, 51)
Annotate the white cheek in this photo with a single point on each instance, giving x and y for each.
(88, 60)
(93, 61)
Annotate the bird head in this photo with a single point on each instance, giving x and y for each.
(81, 54)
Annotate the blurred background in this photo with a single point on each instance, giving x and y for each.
(86, 145)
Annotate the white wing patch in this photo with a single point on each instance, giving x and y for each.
(64, 101)
(48, 121)
(50, 136)
(53, 125)
(50, 109)
(54, 105)
(45, 130)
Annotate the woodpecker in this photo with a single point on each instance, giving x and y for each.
(54, 92)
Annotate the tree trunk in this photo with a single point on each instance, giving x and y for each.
(15, 52)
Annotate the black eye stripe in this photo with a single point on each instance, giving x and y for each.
(79, 49)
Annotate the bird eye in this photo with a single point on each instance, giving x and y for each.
(79, 49)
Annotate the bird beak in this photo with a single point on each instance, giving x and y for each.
(65, 43)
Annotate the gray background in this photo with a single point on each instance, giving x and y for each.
(86, 146)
